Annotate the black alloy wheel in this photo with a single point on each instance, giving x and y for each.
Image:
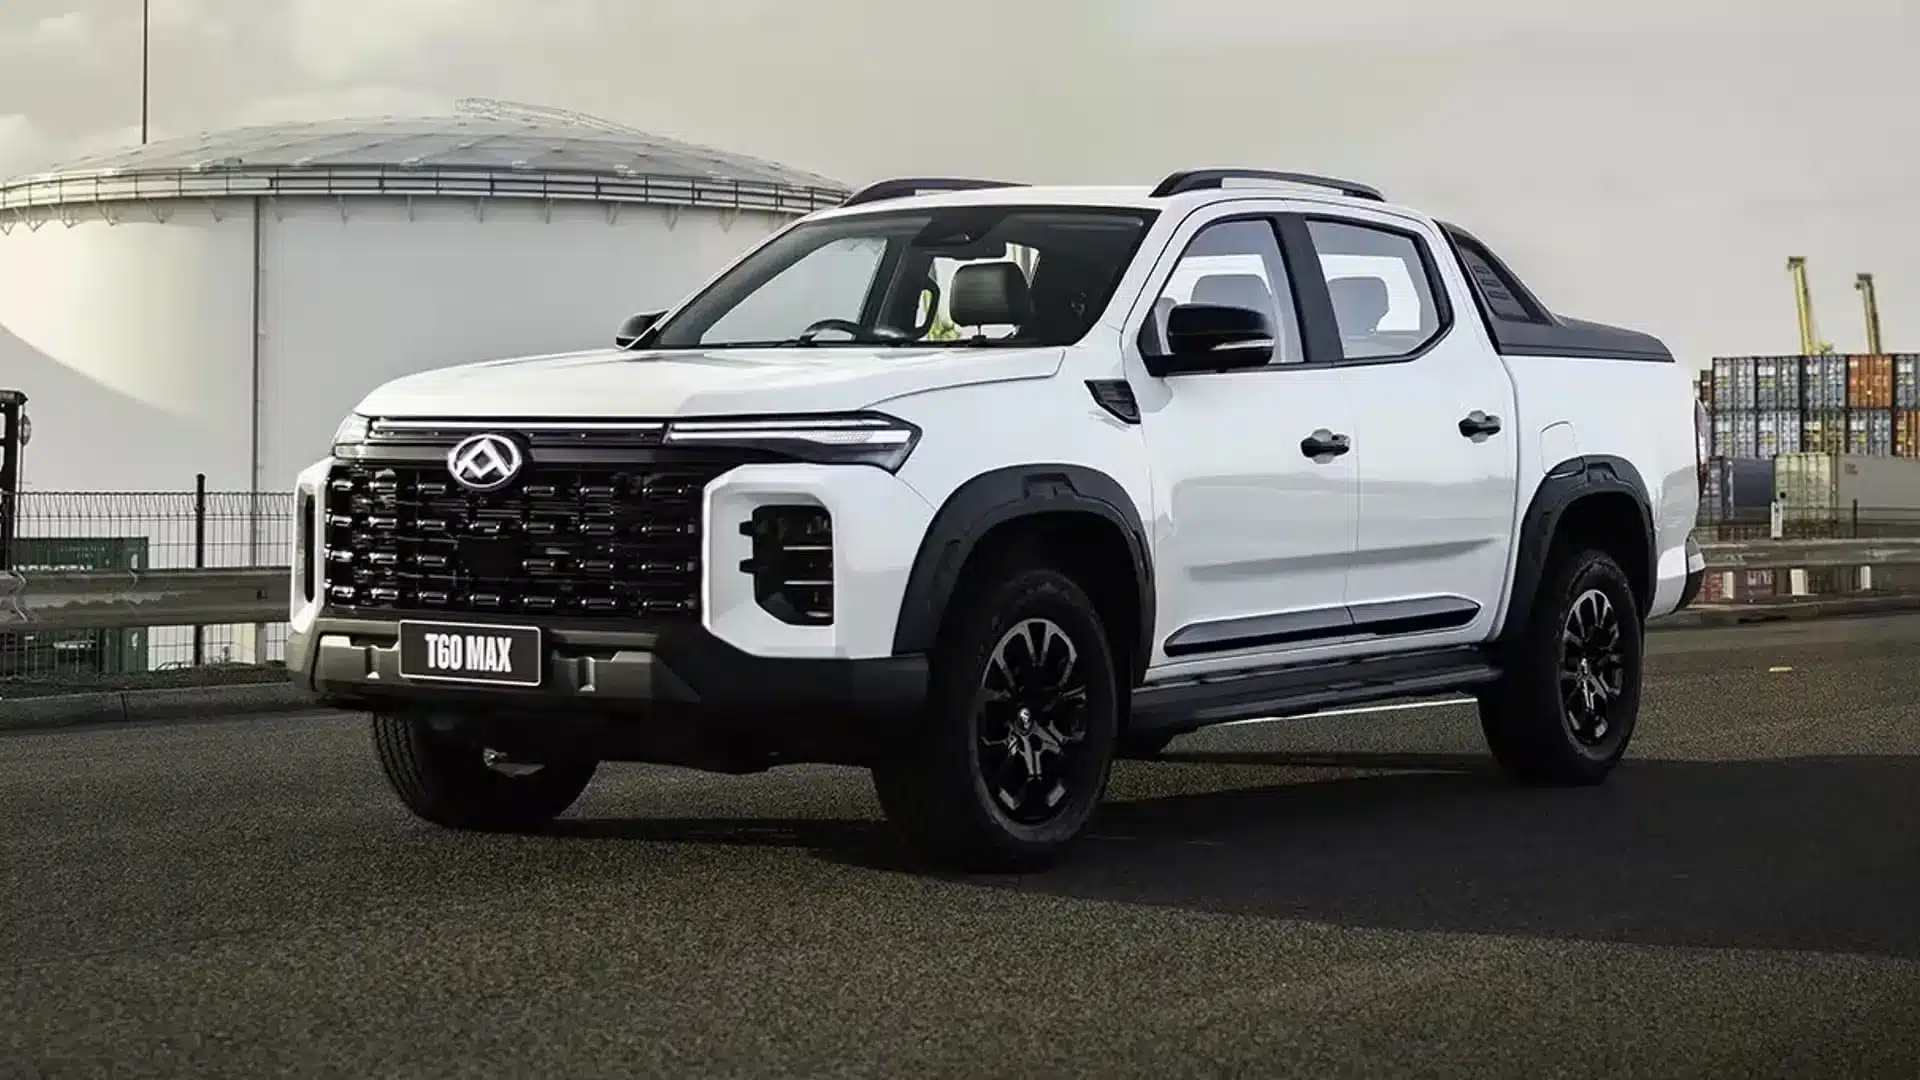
(1593, 667)
(1568, 697)
(1031, 719)
(1008, 766)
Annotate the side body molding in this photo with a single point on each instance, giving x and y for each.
(1565, 484)
(1000, 496)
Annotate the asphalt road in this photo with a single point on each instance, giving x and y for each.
(1354, 895)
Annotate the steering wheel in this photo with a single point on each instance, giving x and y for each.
(847, 326)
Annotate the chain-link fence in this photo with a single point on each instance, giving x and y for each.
(164, 530)
(93, 530)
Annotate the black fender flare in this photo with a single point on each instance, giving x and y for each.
(1565, 484)
(994, 498)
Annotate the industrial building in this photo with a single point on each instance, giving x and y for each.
(215, 304)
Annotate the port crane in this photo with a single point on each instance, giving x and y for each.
(1863, 283)
(1810, 343)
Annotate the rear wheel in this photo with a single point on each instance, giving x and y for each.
(461, 785)
(1019, 736)
(1566, 706)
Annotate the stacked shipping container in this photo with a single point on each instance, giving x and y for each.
(1763, 406)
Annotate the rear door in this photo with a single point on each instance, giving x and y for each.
(1435, 433)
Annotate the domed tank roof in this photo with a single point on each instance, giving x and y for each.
(489, 149)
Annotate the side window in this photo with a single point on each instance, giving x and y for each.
(1382, 291)
(1500, 293)
(1237, 264)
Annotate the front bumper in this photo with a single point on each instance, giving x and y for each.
(678, 696)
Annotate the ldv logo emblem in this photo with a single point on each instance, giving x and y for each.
(485, 462)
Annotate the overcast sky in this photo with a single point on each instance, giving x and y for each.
(1649, 162)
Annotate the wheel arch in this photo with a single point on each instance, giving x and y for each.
(1565, 488)
(1007, 496)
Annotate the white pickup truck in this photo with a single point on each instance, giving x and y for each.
(981, 485)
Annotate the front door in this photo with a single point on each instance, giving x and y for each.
(1255, 520)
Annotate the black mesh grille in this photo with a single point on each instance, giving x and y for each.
(609, 541)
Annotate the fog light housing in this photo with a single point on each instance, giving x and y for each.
(792, 563)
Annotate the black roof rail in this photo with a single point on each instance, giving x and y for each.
(1201, 179)
(907, 186)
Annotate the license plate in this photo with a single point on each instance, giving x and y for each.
(471, 653)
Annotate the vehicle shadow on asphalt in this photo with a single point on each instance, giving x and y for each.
(1814, 853)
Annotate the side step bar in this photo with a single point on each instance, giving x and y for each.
(1194, 703)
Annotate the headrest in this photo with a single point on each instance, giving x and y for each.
(990, 294)
(1235, 290)
(1359, 303)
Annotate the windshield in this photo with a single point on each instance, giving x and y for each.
(962, 277)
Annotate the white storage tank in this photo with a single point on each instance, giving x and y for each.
(215, 304)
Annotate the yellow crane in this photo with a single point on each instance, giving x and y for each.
(1864, 283)
(1810, 344)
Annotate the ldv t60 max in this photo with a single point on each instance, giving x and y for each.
(980, 485)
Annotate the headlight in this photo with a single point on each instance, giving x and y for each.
(351, 432)
(868, 439)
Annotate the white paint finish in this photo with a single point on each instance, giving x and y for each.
(349, 304)
(610, 383)
(1436, 509)
(877, 525)
(976, 429)
(132, 342)
(1248, 525)
(1240, 522)
(1559, 442)
(1638, 411)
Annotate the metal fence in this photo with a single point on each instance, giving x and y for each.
(81, 531)
(1853, 522)
(134, 531)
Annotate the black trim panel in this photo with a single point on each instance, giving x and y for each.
(1383, 618)
(1116, 397)
(1565, 484)
(1695, 578)
(1206, 179)
(1542, 333)
(1000, 496)
(1189, 704)
(680, 696)
(905, 187)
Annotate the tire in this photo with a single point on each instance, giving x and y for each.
(1540, 734)
(943, 792)
(449, 782)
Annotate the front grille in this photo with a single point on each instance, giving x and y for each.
(613, 541)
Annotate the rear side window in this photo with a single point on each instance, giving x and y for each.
(1381, 282)
(1504, 297)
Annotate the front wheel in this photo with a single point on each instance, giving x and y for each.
(1565, 707)
(461, 785)
(1019, 736)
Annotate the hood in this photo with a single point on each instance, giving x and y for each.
(615, 384)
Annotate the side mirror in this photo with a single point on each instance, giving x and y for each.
(1211, 337)
(634, 328)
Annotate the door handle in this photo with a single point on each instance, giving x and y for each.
(1323, 446)
(1477, 425)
